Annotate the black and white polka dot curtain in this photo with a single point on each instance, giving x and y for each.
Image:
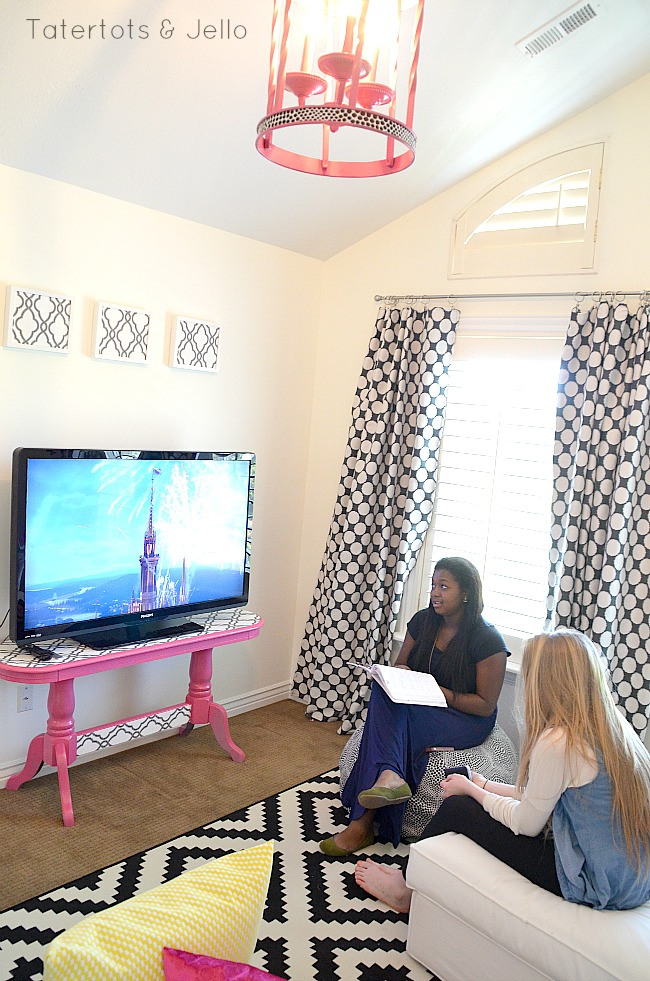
(383, 509)
(600, 553)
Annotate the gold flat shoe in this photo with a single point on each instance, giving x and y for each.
(329, 847)
(384, 796)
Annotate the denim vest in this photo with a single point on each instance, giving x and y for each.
(592, 864)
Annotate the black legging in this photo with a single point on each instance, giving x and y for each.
(533, 858)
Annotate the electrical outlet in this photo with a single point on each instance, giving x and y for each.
(25, 698)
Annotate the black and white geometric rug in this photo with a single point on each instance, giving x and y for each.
(318, 925)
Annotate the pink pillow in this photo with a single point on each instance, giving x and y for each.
(180, 965)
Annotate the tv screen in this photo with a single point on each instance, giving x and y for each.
(117, 546)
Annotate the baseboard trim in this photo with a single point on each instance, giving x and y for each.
(257, 699)
(233, 706)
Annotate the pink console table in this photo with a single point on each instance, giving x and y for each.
(60, 744)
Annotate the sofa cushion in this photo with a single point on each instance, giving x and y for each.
(215, 909)
(561, 939)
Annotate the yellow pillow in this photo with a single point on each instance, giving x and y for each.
(215, 909)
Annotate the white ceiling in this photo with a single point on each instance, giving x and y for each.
(170, 124)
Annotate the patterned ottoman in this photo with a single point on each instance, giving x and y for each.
(496, 759)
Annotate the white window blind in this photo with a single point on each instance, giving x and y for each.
(559, 202)
(493, 497)
(541, 220)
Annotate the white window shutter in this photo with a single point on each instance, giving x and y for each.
(493, 498)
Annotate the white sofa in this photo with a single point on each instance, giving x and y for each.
(473, 917)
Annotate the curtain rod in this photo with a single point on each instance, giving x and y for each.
(578, 295)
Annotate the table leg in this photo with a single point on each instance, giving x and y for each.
(33, 763)
(56, 747)
(219, 722)
(60, 741)
(61, 758)
(203, 709)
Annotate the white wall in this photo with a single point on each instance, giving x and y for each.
(287, 374)
(65, 239)
(411, 255)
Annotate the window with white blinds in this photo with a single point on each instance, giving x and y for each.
(541, 220)
(558, 203)
(493, 499)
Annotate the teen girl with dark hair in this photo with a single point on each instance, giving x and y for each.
(467, 657)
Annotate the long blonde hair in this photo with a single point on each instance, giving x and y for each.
(565, 684)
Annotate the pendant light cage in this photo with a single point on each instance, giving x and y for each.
(342, 82)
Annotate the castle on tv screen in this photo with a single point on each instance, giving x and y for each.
(156, 584)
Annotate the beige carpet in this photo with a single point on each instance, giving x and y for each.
(148, 794)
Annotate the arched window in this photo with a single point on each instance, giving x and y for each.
(541, 220)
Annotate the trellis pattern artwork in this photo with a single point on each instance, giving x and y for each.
(37, 321)
(121, 334)
(195, 345)
(600, 551)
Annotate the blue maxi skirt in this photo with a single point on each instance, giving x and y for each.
(395, 737)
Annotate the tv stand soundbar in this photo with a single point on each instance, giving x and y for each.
(61, 744)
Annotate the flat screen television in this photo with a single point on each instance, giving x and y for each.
(112, 547)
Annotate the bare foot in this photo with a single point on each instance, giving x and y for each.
(384, 882)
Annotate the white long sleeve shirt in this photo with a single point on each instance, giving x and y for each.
(551, 771)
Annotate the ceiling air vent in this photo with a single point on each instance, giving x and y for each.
(557, 29)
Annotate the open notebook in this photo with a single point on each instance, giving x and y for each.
(407, 687)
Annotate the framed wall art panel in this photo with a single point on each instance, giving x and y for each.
(121, 334)
(195, 345)
(37, 321)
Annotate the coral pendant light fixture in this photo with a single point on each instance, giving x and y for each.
(342, 73)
